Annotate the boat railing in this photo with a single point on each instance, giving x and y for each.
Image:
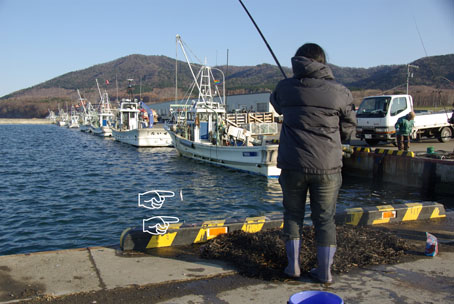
(251, 117)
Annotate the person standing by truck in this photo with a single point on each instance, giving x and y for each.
(451, 120)
(317, 115)
(404, 126)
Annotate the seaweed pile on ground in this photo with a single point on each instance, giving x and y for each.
(262, 254)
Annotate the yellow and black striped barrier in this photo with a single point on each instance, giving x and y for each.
(179, 234)
(361, 149)
(391, 213)
(395, 152)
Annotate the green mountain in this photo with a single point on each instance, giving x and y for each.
(154, 79)
(435, 71)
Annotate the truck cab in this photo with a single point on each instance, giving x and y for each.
(377, 115)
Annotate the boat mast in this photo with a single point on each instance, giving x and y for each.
(176, 69)
(205, 84)
(116, 84)
(101, 105)
(179, 41)
(82, 101)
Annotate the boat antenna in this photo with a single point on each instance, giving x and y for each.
(263, 37)
(116, 85)
(226, 74)
(140, 88)
(130, 89)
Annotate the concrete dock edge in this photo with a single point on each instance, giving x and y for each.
(136, 239)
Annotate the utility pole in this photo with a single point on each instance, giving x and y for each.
(410, 74)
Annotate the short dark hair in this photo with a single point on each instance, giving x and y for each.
(313, 51)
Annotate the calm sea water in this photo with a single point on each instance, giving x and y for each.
(61, 188)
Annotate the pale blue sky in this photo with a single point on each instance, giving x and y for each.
(43, 39)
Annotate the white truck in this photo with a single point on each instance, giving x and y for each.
(377, 116)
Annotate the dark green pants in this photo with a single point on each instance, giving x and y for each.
(323, 190)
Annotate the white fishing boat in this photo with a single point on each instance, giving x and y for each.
(86, 115)
(52, 117)
(135, 126)
(73, 119)
(101, 123)
(202, 130)
(62, 118)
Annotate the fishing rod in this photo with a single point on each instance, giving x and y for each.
(263, 37)
(431, 70)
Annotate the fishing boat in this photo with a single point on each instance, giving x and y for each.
(74, 119)
(86, 114)
(102, 120)
(201, 128)
(135, 126)
(62, 118)
(52, 117)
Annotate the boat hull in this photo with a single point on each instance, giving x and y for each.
(84, 128)
(101, 131)
(153, 137)
(261, 160)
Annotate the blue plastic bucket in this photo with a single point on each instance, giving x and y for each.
(315, 297)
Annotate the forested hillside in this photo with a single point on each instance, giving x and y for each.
(154, 78)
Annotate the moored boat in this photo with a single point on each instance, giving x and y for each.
(103, 119)
(202, 130)
(135, 126)
(74, 118)
(86, 114)
(62, 118)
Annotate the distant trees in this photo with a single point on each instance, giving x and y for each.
(154, 81)
(14, 108)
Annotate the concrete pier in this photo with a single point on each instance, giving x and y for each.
(430, 173)
(106, 275)
(173, 275)
(25, 121)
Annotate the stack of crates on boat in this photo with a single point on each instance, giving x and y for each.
(258, 123)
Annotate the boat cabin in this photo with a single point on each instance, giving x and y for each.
(129, 114)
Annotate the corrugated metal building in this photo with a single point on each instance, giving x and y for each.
(247, 102)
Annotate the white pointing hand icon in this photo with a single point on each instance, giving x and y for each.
(154, 199)
(158, 225)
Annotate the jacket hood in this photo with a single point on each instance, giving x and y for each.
(308, 68)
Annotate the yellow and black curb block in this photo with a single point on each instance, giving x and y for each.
(391, 214)
(178, 234)
(361, 149)
(181, 234)
(395, 152)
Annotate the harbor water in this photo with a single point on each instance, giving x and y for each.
(61, 188)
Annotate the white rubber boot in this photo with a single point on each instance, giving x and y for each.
(292, 247)
(325, 258)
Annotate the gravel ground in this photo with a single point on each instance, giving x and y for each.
(262, 255)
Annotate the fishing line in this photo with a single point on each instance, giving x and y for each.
(263, 37)
(419, 34)
(428, 64)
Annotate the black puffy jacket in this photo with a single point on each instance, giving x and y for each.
(318, 116)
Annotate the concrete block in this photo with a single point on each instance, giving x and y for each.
(137, 240)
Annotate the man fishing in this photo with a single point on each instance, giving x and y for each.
(318, 114)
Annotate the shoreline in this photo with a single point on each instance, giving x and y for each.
(24, 121)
